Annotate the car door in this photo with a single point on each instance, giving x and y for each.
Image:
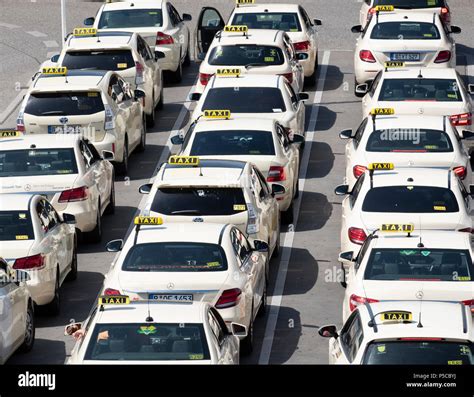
(133, 110)
(209, 23)
(298, 107)
(309, 29)
(348, 203)
(150, 72)
(226, 344)
(47, 244)
(352, 146)
(183, 31)
(97, 174)
(366, 4)
(351, 338)
(296, 67)
(291, 153)
(370, 99)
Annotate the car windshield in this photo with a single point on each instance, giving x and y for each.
(137, 18)
(148, 342)
(233, 143)
(101, 59)
(33, 162)
(408, 264)
(405, 31)
(64, 103)
(287, 21)
(248, 54)
(246, 99)
(433, 90)
(409, 4)
(196, 201)
(418, 352)
(410, 199)
(409, 140)
(175, 257)
(15, 225)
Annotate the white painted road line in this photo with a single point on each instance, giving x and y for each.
(8, 25)
(290, 235)
(35, 33)
(50, 43)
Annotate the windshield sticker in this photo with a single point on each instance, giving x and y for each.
(410, 187)
(462, 278)
(455, 362)
(196, 356)
(431, 147)
(381, 349)
(439, 208)
(21, 216)
(408, 252)
(213, 264)
(465, 351)
(239, 207)
(425, 253)
(21, 237)
(269, 59)
(122, 65)
(147, 330)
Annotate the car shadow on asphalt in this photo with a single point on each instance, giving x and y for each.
(166, 118)
(315, 211)
(334, 78)
(326, 118)
(321, 160)
(44, 351)
(189, 77)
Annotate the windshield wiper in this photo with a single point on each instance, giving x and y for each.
(52, 112)
(254, 65)
(186, 212)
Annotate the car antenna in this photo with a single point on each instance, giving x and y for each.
(374, 116)
(420, 325)
(149, 319)
(420, 76)
(444, 123)
(420, 244)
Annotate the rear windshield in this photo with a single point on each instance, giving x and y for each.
(246, 99)
(419, 264)
(287, 21)
(15, 225)
(242, 55)
(410, 199)
(175, 257)
(137, 18)
(102, 60)
(405, 31)
(64, 103)
(421, 352)
(233, 143)
(409, 4)
(147, 342)
(433, 90)
(196, 201)
(34, 162)
(409, 140)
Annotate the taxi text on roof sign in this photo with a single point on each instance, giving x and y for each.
(236, 28)
(60, 71)
(381, 166)
(77, 32)
(148, 220)
(229, 72)
(382, 111)
(244, 2)
(394, 64)
(395, 228)
(9, 133)
(216, 114)
(183, 160)
(396, 316)
(384, 8)
(114, 300)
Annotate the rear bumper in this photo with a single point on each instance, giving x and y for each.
(172, 57)
(42, 285)
(85, 214)
(110, 143)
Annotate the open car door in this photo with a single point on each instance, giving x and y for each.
(209, 23)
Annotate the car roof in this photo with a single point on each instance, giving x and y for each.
(41, 141)
(409, 121)
(136, 4)
(103, 39)
(430, 239)
(270, 7)
(247, 123)
(439, 319)
(413, 73)
(399, 16)
(254, 36)
(77, 80)
(15, 201)
(247, 80)
(436, 177)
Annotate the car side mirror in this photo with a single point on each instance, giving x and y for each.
(195, 96)
(71, 328)
(356, 29)
(466, 134)
(347, 256)
(177, 140)
(69, 219)
(201, 56)
(297, 138)
(138, 94)
(470, 88)
(277, 189)
(345, 134)
(342, 190)
(159, 55)
(455, 30)
(301, 56)
(328, 331)
(362, 89)
(239, 330)
(108, 155)
(261, 246)
(187, 17)
(317, 22)
(114, 245)
(145, 189)
(55, 58)
(89, 21)
(303, 96)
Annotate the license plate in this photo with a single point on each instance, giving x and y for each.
(64, 129)
(181, 298)
(405, 56)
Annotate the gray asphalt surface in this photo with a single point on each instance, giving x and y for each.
(305, 284)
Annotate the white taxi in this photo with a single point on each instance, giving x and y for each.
(425, 92)
(125, 333)
(67, 169)
(183, 263)
(370, 7)
(125, 53)
(404, 333)
(216, 191)
(291, 18)
(262, 142)
(416, 39)
(406, 141)
(157, 21)
(266, 96)
(433, 198)
(254, 51)
(40, 242)
(99, 105)
(17, 322)
(392, 265)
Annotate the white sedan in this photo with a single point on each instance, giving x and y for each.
(37, 240)
(68, 170)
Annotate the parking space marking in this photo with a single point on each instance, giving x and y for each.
(50, 43)
(8, 25)
(35, 33)
(282, 269)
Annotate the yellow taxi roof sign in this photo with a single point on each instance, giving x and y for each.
(382, 111)
(184, 160)
(148, 220)
(217, 114)
(9, 133)
(381, 166)
(398, 316)
(54, 70)
(236, 28)
(387, 8)
(114, 300)
(240, 2)
(397, 228)
(80, 32)
(226, 72)
(393, 64)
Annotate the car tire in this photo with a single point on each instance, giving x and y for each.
(246, 344)
(187, 58)
(160, 104)
(150, 118)
(111, 207)
(122, 167)
(287, 216)
(142, 146)
(72, 276)
(96, 235)
(311, 80)
(177, 76)
(30, 330)
(263, 306)
(276, 250)
(53, 308)
(297, 189)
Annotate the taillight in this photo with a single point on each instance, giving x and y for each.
(20, 123)
(371, 13)
(358, 170)
(356, 300)
(443, 56)
(461, 172)
(467, 230)
(252, 221)
(462, 119)
(139, 79)
(276, 174)
(111, 291)
(289, 76)
(109, 123)
(469, 303)
(445, 15)
(229, 298)
(356, 235)
(163, 39)
(367, 56)
(302, 46)
(204, 78)
(76, 194)
(29, 262)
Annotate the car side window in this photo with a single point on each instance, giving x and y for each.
(375, 83)
(93, 151)
(216, 328)
(86, 154)
(362, 252)
(289, 48)
(356, 190)
(53, 216)
(306, 19)
(283, 138)
(188, 135)
(465, 194)
(142, 50)
(293, 95)
(241, 245)
(42, 215)
(265, 192)
(352, 335)
(4, 281)
(126, 92)
(360, 132)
